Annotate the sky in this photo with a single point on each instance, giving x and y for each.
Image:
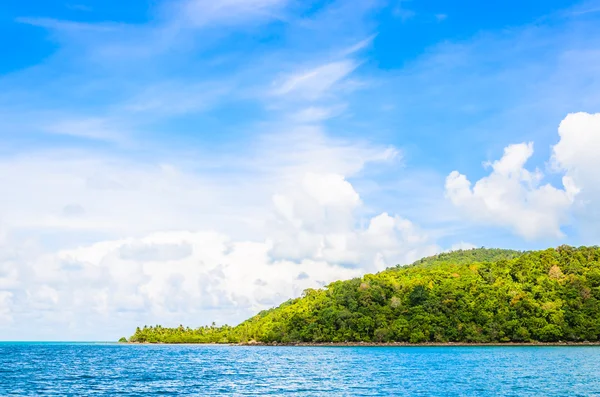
(190, 161)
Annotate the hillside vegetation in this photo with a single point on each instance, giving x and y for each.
(480, 295)
(461, 257)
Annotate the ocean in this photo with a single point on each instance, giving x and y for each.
(107, 369)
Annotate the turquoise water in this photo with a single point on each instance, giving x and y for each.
(75, 369)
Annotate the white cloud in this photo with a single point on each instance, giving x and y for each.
(315, 114)
(114, 197)
(307, 148)
(324, 226)
(311, 94)
(182, 276)
(180, 14)
(314, 83)
(171, 98)
(79, 7)
(92, 128)
(362, 44)
(403, 13)
(576, 153)
(70, 26)
(207, 12)
(330, 189)
(6, 306)
(398, 241)
(511, 196)
(115, 243)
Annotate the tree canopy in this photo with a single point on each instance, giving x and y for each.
(480, 295)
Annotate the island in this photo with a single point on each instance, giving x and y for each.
(478, 296)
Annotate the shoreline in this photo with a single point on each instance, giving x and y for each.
(387, 344)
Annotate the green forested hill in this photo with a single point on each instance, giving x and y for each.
(479, 295)
(462, 257)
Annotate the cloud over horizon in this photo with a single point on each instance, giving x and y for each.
(192, 161)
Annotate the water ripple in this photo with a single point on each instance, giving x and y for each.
(74, 369)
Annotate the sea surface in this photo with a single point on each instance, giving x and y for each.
(102, 369)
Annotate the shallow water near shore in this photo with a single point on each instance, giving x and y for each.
(96, 369)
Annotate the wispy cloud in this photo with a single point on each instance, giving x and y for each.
(169, 98)
(314, 83)
(362, 44)
(124, 66)
(91, 128)
(403, 12)
(80, 7)
(315, 114)
(70, 26)
(201, 13)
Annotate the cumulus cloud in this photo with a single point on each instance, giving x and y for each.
(576, 153)
(513, 197)
(117, 244)
(318, 221)
(183, 276)
(155, 252)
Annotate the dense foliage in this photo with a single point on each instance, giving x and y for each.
(462, 257)
(466, 296)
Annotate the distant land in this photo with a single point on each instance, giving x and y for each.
(478, 296)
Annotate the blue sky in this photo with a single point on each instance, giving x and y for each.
(184, 162)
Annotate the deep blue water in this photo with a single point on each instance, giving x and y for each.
(76, 369)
